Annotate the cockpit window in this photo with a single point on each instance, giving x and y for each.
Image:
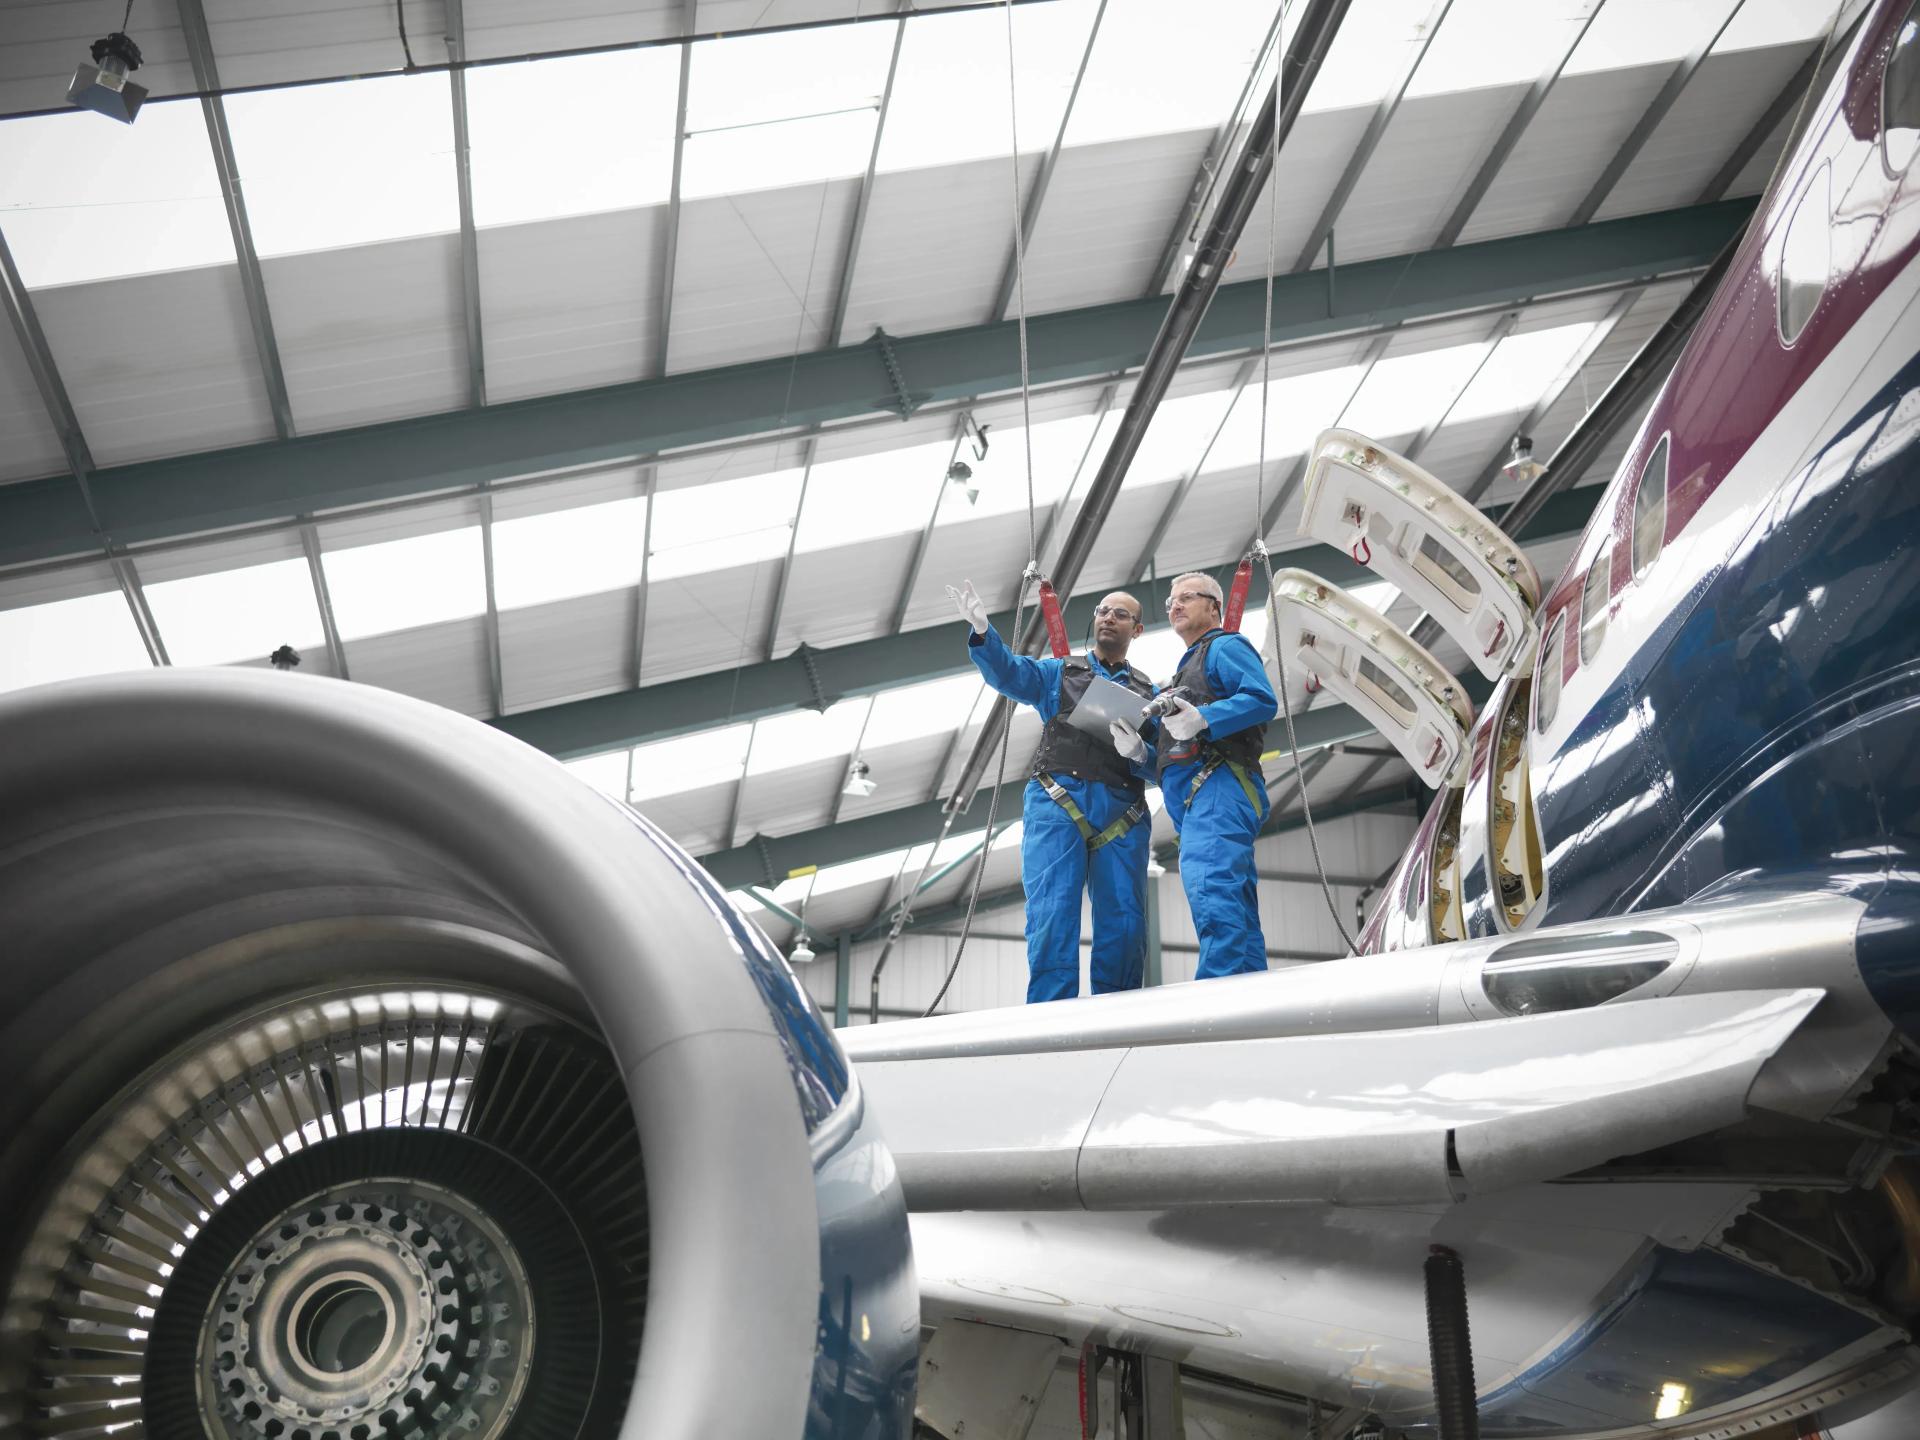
(1650, 511)
(1900, 95)
(1806, 255)
(1593, 604)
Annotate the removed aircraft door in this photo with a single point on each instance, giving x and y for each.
(1377, 668)
(1393, 516)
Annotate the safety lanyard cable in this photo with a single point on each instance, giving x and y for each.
(1259, 545)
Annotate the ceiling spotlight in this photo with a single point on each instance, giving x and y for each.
(802, 952)
(103, 86)
(285, 658)
(1520, 464)
(860, 781)
(960, 476)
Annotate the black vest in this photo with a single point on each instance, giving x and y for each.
(1065, 750)
(1243, 747)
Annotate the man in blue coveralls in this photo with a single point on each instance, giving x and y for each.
(1086, 822)
(1209, 770)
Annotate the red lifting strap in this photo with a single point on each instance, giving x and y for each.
(1237, 596)
(1056, 622)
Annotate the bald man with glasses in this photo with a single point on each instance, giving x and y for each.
(1085, 818)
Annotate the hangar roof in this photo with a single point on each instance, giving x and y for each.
(368, 258)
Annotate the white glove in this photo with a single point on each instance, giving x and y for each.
(972, 608)
(1127, 740)
(1184, 722)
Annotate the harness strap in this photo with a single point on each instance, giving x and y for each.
(1057, 793)
(1214, 761)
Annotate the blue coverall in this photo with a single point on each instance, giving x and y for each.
(1217, 829)
(1055, 863)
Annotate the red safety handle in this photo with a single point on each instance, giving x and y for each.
(1237, 596)
(1056, 622)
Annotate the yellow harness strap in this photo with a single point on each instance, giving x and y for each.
(1057, 793)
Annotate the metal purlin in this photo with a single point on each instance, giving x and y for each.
(66, 425)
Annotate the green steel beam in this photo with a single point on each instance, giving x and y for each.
(814, 679)
(164, 499)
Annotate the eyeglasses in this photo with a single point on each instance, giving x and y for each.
(1187, 597)
(1118, 612)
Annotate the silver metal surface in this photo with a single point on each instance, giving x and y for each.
(1366, 1119)
(984, 1382)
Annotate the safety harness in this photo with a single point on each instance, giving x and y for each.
(1057, 793)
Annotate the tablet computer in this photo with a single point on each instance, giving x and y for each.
(1106, 701)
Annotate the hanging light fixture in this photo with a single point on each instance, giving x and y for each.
(1520, 464)
(103, 87)
(860, 781)
(960, 477)
(802, 952)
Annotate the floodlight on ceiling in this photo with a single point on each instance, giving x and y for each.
(860, 781)
(1520, 464)
(802, 952)
(103, 87)
(960, 477)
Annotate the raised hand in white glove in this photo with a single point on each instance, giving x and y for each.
(1183, 722)
(1127, 740)
(972, 608)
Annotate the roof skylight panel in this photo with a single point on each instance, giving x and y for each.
(722, 524)
(864, 497)
(401, 584)
(81, 200)
(800, 737)
(1483, 43)
(572, 136)
(1520, 370)
(1156, 73)
(1059, 448)
(913, 712)
(1629, 33)
(783, 109)
(1177, 437)
(1368, 54)
(1299, 407)
(689, 762)
(606, 773)
(1407, 392)
(66, 639)
(359, 161)
(1761, 23)
(564, 553)
(950, 102)
(233, 615)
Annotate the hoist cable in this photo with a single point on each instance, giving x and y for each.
(1259, 545)
(1032, 572)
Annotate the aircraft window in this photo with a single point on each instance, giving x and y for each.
(1532, 977)
(1900, 95)
(1454, 579)
(1805, 256)
(1384, 688)
(1650, 510)
(1518, 874)
(1443, 904)
(1549, 705)
(1593, 604)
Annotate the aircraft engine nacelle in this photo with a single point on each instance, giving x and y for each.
(363, 1075)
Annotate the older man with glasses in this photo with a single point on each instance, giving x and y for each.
(1208, 763)
(1085, 811)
